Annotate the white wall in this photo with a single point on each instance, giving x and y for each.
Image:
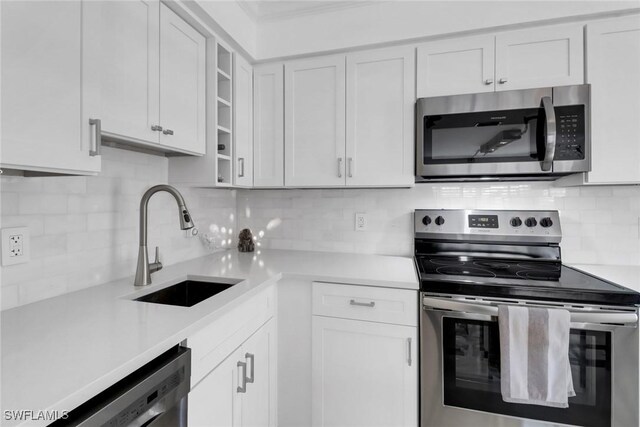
(389, 21)
(599, 224)
(84, 230)
(234, 21)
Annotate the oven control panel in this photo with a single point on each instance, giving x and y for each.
(488, 225)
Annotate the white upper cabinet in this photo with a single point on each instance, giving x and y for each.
(456, 66)
(315, 122)
(613, 70)
(542, 57)
(538, 57)
(268, 126)
(129, 55)
(182, 84)
(243, 127)
(151, 75)
(380, 115)
(44, 127)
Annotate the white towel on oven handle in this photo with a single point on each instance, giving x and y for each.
(534, 353)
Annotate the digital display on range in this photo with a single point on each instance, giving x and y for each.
(483, 221)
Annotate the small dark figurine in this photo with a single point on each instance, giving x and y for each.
(245, 241)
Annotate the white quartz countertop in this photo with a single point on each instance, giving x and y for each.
(623, 275)
(58, 353)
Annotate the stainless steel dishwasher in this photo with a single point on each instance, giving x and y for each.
(154, 395)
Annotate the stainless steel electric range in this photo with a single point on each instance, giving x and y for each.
(471, 261)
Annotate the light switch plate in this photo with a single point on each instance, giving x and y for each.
(15, 246)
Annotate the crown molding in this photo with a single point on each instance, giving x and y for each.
(316, 8)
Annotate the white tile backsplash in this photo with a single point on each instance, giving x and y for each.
(600, 224)
(84, 230)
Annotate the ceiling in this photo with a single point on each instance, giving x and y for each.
(273, 10)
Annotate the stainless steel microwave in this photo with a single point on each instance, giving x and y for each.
(520, 134)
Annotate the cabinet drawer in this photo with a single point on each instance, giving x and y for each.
(212, 344)
(399, 306)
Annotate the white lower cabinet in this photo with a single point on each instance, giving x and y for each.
(364, 363)
(212, 402)
(363, 373)
(241, 391)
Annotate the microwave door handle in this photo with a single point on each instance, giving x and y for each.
(550, 137)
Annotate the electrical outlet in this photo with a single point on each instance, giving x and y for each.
(361, 221)
(15, 245)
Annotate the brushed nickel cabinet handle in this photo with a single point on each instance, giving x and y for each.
(502, 81)
(339, 167)
(251, 377)
(97, 123)
(167, 132)
(409, 361)
(156, 128)
(350, 166)
(241, 167)
(488, 82)
(242, 388)
(362, 304)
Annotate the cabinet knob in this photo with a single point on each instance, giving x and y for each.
(488, 82)
(502, 81)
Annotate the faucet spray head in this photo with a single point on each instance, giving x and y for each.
(185, 219)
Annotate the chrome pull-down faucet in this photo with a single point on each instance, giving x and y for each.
(144, 269)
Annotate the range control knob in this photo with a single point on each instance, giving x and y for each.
(546, 222)
(439, 220)
(530, 222)
(426, 220)
(515, 221)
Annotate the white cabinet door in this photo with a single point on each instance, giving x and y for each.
(540, 57)
(380, 116)
(315, 122)
(243, 126)
(613, 70)
(182, 84)
(268, 126)
(452, 67)
(42, 117)
(129, 56)
(214, 402)
(364, 374)
(259, 402)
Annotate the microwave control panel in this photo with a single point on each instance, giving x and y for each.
(570, 132)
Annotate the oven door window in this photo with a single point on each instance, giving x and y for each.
(484, 137)
(471, 372)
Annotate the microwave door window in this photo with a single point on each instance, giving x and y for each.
(482, 137)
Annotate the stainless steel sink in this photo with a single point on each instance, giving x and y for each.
(187, 293)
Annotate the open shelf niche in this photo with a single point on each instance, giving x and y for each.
(224, 114)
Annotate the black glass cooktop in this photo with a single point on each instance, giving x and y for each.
(547, 280)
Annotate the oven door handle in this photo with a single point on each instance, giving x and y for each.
(550, 137)
(603, 317)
